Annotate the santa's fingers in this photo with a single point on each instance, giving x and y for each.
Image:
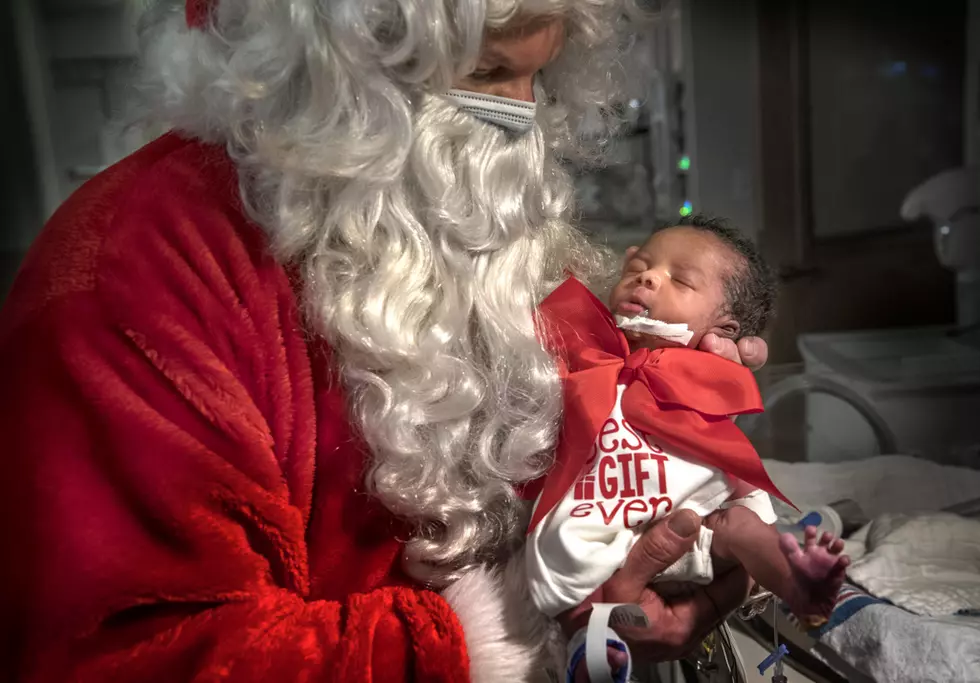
(659, 547)
(686, 621)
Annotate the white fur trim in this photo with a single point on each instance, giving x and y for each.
(507, 638)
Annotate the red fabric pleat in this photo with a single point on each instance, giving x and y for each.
(197, 12)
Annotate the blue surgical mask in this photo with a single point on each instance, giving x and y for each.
(515, 115)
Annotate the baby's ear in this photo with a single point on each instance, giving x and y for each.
(727, 328)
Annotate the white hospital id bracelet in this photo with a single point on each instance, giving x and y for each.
(605, 617)
(576, 654)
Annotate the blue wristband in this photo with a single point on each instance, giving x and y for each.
(579, 654)
(576, 659)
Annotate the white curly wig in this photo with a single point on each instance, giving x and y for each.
(426, 237)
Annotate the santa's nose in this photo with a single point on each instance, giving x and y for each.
(517, 89)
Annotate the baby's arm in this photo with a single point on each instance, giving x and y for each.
(807, 580)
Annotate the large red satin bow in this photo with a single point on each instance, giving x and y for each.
(680, 397)
(197, 12)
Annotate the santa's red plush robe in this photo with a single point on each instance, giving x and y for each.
(181, 490)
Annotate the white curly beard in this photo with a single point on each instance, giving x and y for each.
(427, 287)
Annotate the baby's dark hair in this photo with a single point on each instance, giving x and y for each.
(751, 289)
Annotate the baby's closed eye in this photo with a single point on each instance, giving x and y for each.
(682, 282)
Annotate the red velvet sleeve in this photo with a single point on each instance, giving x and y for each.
(153, 527)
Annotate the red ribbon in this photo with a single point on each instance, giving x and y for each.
(197, 12)
(681, 397)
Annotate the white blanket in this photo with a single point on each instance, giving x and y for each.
(875, 639)
(891, 645)
(880, 485)
(927, 563)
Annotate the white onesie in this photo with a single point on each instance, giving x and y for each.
(628, 481)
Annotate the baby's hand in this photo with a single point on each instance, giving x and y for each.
(818, 570)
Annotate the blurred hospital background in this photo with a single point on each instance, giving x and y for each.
(842, 135)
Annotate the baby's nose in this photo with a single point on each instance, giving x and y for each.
(650, 280)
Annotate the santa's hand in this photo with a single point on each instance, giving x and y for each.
(752, 352)
(677, 625)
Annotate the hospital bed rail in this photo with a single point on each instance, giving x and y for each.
(779, 432)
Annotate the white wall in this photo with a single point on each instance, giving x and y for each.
(886, 85)
(972, 108)
(20, 201)
(722, 85)
(65, 65)
(76, 57)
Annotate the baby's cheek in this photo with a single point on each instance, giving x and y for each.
(621, 293)
(703, 323)
(616, 297)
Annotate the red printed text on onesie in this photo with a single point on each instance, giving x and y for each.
(625, 483)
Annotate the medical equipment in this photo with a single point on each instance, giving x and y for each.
(858, 394)
(912, 390)
(819, 389)
(823, 519)
(775, 659)
(951, 201)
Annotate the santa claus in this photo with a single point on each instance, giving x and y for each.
(272, 383)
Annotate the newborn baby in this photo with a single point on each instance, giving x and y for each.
(707, 277)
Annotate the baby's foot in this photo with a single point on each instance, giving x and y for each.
(818, 573)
